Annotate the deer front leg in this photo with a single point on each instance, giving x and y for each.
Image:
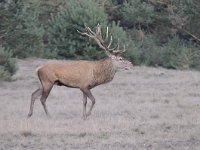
(91, 97)
(84, 105)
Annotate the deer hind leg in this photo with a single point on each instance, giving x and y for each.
(91, 97)
(34, 96)
(45, 94)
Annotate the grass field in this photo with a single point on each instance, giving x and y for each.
(142, 109)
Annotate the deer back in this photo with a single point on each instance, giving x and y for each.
(75, 74)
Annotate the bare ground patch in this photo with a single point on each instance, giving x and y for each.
(146, 108)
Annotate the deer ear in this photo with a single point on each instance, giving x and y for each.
(109, 54)
(113, 55)
(117, 53)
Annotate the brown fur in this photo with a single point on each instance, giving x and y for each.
(70, 73)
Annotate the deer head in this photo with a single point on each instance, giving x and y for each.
(113, 53)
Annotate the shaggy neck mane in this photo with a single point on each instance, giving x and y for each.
(104, 71)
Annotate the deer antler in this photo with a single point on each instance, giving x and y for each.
(99, 39)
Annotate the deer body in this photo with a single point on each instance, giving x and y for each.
(77, 74)
(81, 74)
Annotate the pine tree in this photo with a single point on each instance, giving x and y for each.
(7, 64)
(19, 29)
(63, 35)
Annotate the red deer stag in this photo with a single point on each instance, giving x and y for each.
(81, 74)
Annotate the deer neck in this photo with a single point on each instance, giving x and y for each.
(104, 71)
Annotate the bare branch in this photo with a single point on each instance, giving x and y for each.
(192, 35)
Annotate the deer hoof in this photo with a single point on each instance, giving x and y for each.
(84, 117)
(48, 116)
(88, 114)
(29, 115)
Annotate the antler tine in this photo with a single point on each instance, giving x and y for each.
(100, 44)
(107, 32)
(98, 33)
(124, 48)
(116, 49)
(93, 34)
(110, 42)
(119, 51)
(90, 31)
(118, 43)
(98, 29)
(84, 33)
(99, 40)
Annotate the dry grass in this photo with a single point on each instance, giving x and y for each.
(143, 109)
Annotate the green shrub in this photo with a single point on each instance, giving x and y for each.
(133, 53)
(178, 54)
(144, 52)
(175, 54)
(20, 29)
(150, 52)
(68, 43)
(62, 33)
(7, 64)
(137, 12)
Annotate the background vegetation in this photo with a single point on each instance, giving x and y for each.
(7, 64)
(162, 33)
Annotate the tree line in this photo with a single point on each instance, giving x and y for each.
(162, 33)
